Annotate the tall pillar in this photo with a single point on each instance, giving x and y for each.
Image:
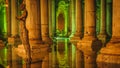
(45, 21)
(50, 17)
(33, 23)
(78, 34)
(8, 15)
(89, 45)
(13, 40)
(111, 53)
(72, 17)
(109, 17)
(14, 23)
(103, 34)
(38, 48)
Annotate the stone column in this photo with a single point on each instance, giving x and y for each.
(109, 17)
(103, 34)
(111, 53)
(89, 45)
(72, 16)
(38, 48)
(13, 40)
(33, 23)
(14, 23)
(50, 17)
(78, 34)
(8, 15)
(45, 21)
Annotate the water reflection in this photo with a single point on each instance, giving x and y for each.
(63, 55)
(3, 57)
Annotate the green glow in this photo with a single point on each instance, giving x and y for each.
(72, 7)
(62, 9)
(3, 56)
(109, 17)
(73, 54)
(3, 22)
(98, 15)
(62, 52)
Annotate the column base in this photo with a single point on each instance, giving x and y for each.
(75, 39)
(110, 53)
(47, 40)
(89, 44)
(38, 53)
(103, 38)
(89, 47)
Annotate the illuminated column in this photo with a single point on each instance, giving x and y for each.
(45, 21)
(72, 17)
(50, 17)
(33, 23)
(13, 41)
(53, 18)
(90, 19)
(89, 45)
(111, 53)
(14, 23)
(8, 15)
(103, 35)
(78, 33)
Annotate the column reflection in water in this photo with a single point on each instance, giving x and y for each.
(63, 54)
(3, 56)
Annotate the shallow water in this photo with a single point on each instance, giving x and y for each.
(62, 55)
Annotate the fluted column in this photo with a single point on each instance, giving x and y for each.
(33, 23)
(103, 34)
(45, 21)
(111, 53)
(89, 45)
(14, 23)
(78, 34)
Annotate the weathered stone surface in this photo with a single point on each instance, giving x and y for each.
(33, 23)
(111, 53)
